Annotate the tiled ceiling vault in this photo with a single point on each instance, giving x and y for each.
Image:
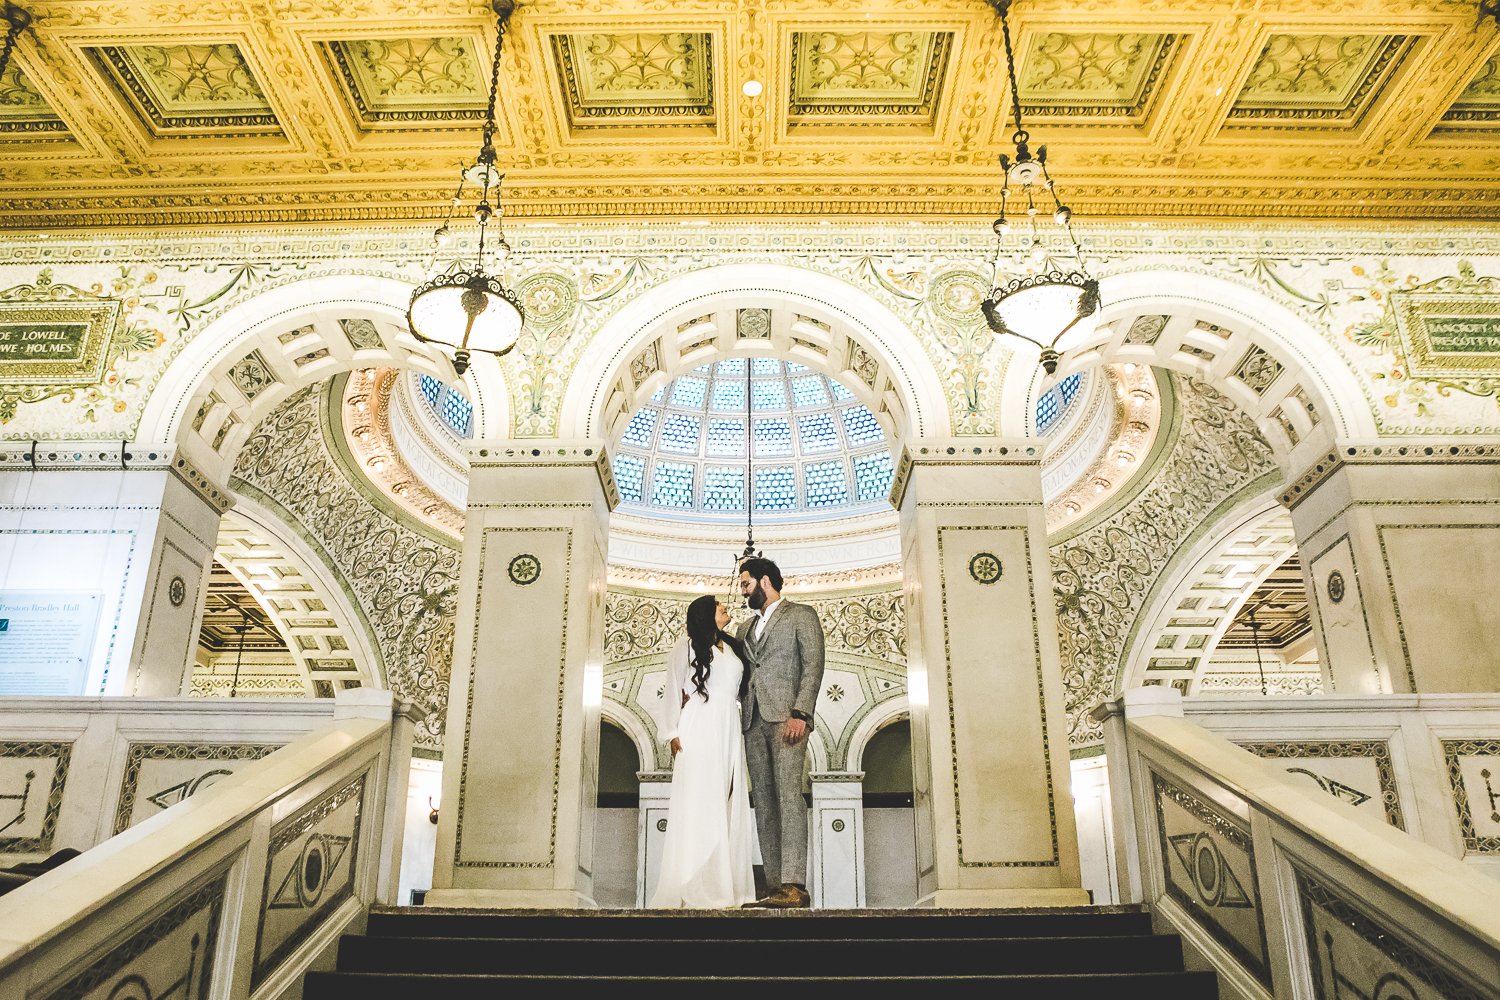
(118, 112)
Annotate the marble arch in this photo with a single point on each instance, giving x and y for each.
(260, 351)
(277, 548)
(881, 715)
(812, 317)
(1257, 351)
(1204, 587)
(619, 716)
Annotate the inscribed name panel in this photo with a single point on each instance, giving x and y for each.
(1448, 334)
(1440, 582)
(1004, 805)
(56, 343)
(509, 788)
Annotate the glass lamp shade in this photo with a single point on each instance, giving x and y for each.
(467, 311)
(1056, 311)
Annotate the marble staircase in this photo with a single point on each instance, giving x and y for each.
(1058, 954)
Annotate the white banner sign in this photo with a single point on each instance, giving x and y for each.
(46, 638)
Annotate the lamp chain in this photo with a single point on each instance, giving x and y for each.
(17, 20)
(1010, 65)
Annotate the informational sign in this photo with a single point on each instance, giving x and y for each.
(56, 343)
(46, 639)
(1447, 334)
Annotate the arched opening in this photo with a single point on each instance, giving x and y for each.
(890, 830)
(615, 820)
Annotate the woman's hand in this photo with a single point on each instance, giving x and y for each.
(676, 747)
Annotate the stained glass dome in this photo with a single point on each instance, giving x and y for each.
(815, 447)
(1055, 402)
(451, 407)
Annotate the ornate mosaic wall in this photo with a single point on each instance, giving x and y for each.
(1104, 575)
(404, 583)
(1383, 301)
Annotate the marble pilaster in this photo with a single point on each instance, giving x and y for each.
(656, 793)
(128, 531)
(837, 858)
(989, 743)
(1399, 542)
(521, 753)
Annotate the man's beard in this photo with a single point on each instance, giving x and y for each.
(757, 597)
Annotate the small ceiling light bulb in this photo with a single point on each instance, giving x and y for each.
(752, 88)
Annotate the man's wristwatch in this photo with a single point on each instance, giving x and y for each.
(799, 714)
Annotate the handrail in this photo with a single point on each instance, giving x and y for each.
(1446, 886)
(52, 903)
(1285, 892)
(234, 891)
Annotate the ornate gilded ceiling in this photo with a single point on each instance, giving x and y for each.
(177, 112)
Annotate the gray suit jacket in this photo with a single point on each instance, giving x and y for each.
(786, 664)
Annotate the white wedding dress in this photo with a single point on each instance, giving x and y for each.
(706, 856)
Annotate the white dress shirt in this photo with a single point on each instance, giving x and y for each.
(765, 616)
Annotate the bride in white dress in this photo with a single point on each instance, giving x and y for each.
(706, 856)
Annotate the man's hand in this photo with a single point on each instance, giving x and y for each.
(676, 747)
(793, 731)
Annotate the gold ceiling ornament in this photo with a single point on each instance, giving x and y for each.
(466, 308)
(1053, 306)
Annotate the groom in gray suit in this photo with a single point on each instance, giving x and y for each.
(784, 644)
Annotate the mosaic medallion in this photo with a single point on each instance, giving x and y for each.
(985, 567)
(548, 298)
(1336, 587)
(177, 591)
(956, 296)
(524, 569)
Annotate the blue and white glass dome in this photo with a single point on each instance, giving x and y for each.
(816, 449)
(1055, 403)
(451, 407)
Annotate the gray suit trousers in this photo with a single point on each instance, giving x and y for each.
(780, 810)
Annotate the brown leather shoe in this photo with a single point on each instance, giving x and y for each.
(789, 897)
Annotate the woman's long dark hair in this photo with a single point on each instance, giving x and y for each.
(703, 634)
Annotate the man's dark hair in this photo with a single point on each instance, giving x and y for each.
(762, 569)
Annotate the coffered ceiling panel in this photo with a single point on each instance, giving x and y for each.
(24, 112)
(186, 112)
(1110, 77)
(621, 79)
(1317, 81)
(185, 91)
(395, 82)
(870, 78)
(1478, 106)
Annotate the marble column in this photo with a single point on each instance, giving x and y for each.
(1399, 546)
(837, 858)
(117, 539)
(656, 793)
(520, 772)
(994, 819)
